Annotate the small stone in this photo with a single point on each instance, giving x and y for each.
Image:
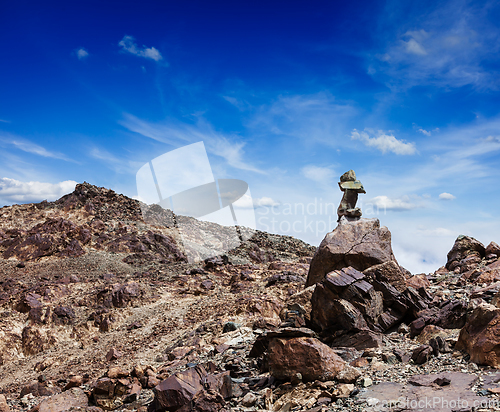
(421, 354)
(360, 362)
(403, 329)
(117, 373)
(366, 382)
(343, 390)
(230, 327)
(74, 382)
(4, 406)
(348, 375)
(113, 354)
(296, 379)
(249, 400)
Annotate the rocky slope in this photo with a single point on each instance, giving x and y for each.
(101, 311)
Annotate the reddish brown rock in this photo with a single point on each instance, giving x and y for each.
(361, 340)
(29, 302)
(480, 337)
(360, 244)
(179, 389)
(116, 373)
(308, 356)
(4, 406)
(345, 301)
(418, 281)
(389, 272)
(74, 382)
(206, 401)
(72, 398)
(466, 252)
(38, 389)
(492, 249)
(113, 354)
(421, 354)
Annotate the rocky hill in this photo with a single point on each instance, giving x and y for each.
(100, 310)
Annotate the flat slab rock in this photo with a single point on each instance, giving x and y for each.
(425, 393)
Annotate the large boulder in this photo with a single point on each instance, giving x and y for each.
(480, 337)
(465, 254)
(179, 389)
(345, 301)
(358, 243)
(72, 398)
(348, 301)
(308, 356)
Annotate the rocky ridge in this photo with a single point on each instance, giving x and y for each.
(101, 311)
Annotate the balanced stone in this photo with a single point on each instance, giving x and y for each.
(351, 187)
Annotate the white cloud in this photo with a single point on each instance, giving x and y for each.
(446, 196)
(82, 54)
(426, 132)
(385, 142)
(318, 174)
(178, 134)
(30, 147)
(12, 191)
(396, 204)
(265, 202)
(128, 44)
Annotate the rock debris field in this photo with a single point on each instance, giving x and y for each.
(100, 310)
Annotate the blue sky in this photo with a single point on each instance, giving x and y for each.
(285, 95)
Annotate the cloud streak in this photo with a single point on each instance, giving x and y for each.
(30, 147)
(182, 134)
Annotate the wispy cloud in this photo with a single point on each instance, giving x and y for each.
(129, 45)
(323, 175)
(82, 54)
(4, 121)
(311, 118)
(446, 196)
(30, 147)
(119, 165)
(437, 231)
(225, 146)
(426, 132)
(395, 204)
(12, 191)
(385, 142)
(452, 45)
